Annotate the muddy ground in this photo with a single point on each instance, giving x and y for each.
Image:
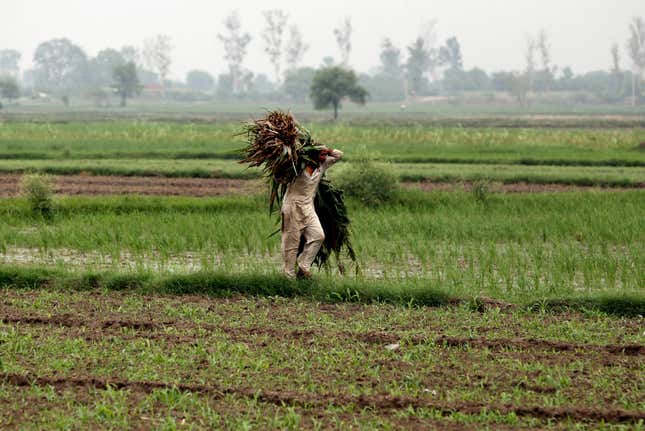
(201, 187)
(318, 360)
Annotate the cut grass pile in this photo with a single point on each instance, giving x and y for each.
(116, 360)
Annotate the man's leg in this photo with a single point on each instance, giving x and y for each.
(290, 243)
(314, 237)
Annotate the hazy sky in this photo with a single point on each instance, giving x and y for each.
(492, 33)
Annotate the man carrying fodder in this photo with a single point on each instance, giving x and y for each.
(314, 218)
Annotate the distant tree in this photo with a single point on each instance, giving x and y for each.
(297, 83)
(616, 71)
(526, 82)
(200, 80)
(382, 87)
(60, 67)
(262, 84)
(296, 48)
(131, 54)
(331, 85)
(235, 43)
(636, 50)
(157, 52)
(275, 23)
(328, 61)
(9, 62)
(9, 88)
(419, 60)
(546, 75)
(450, 54)
(104, 64)
(390, 59)
(126, 81)
(428, 33)
(502, 81)
(343, 34)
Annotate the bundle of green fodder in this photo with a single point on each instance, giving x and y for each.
(282, 148)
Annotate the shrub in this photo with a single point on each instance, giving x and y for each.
(368, 182)
(38, 191)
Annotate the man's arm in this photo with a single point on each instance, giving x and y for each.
(332, 157)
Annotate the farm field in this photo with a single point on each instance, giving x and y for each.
(125, 360)
(503, 287)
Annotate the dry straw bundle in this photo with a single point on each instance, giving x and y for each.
(282, 147)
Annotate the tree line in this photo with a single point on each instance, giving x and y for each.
(421, 69)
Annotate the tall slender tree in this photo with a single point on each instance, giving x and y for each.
(343, 34)
(390, 59)
(616, 71)
(419, 59)
(636, 50)
(9, 62)
(296, 48)
(235, 42)
(157, 54)
(275, 23)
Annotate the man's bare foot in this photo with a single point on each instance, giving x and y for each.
(303, 275)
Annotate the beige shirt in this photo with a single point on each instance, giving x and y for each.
(298, 206)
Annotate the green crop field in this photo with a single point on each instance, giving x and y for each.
(468, 307)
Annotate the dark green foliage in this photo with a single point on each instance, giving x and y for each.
(369, 183)
(9, 88)
(126, 81)
(332, 212)
(332, 84)
(219, 284)
(38, 191)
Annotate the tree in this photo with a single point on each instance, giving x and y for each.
(9, 88)
(126, 81)
(60, 66)
(331, 85)
(235, 43)
(616, 71)
(390, 59)
(275, 22)
(450, 54)
(296, 48)
(156, 52)
(104, 64)
(131, 54)
(419, 59)
(9, 62)
(636, 50)
(546, 75)
(343, 34)
(297, 83)
(200, 80)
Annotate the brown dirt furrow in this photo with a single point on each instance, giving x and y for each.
(519, 187)
(106, 185)
(242, 334)
(382, 402)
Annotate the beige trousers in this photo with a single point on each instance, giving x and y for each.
(300, 219)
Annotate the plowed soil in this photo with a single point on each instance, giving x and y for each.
(116, 185)
(318, 360)
(201, 187)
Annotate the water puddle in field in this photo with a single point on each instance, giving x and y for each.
(450, 270)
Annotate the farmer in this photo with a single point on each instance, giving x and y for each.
(299, 216)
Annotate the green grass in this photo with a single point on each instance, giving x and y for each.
(514, 247)
(419, 144)
(195, 362)
(441, 172)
